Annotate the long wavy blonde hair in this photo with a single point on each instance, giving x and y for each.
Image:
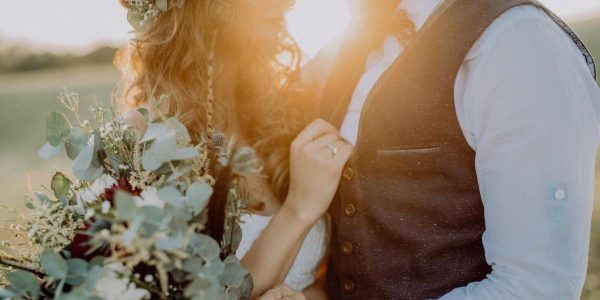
(257, 96)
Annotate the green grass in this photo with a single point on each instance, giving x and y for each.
(26, 99)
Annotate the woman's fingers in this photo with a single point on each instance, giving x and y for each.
(282, 291)
(331, 150)
(285, 290)
(271, 294)
(325, 140)
(296, 296)
(313, 131)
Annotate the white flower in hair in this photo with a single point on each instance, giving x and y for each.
(142, 12)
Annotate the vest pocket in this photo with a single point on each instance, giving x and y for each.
(409, 150)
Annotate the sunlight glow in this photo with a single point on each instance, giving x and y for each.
(76, 25)
(314, 22)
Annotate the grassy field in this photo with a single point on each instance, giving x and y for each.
(27, 98)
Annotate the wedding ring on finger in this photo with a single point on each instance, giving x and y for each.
(334, 150)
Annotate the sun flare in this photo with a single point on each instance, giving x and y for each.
(314, 22)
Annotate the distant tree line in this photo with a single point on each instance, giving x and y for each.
(21, 59)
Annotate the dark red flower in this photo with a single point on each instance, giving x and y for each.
(123, 185)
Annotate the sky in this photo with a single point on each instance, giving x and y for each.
(80, 25)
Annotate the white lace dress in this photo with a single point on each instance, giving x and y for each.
(303, 272)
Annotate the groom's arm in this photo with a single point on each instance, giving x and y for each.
(530, 109)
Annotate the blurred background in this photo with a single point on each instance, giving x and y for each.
(46, 46)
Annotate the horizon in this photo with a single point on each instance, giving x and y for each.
(85, 26)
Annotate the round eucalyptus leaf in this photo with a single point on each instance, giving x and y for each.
(92, 277)
(24, 281)
(198, 195)
(75, 142)
(234, 274)
(60, 185)
(57, 128)
(154, 131)
(84, 159)
(150, 162)
(89, 174)
(48, 151)
(54, 265)
(125, 205)
(77, 271)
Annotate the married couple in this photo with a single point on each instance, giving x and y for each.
(438, 150)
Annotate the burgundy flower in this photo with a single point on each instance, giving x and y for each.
(123, 185)
(80, 246)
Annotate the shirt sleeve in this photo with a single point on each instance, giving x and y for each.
(528, 106)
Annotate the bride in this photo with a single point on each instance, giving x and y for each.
(219, 62)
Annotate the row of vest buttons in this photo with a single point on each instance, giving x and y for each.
(349, 211)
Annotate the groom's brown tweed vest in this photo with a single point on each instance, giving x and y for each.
(408, 217)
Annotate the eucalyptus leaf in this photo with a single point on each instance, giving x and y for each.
(198, 195)
(41, 197)
(150, 162)
(77, 271)
(92, 277)
(48, 151)
(60, 185)
(172, 195)
(234, 273)
(179, 172)
(54, 265)
(75, 142)
(205, 246)
(24, 281)
(125, 205)
(185, 153)
(89, 174)
(165, 146)
(57, 128)
(84, 159)
(168, 243)
(154, 131)
(6, 293)
(132, 230)
(182, 132)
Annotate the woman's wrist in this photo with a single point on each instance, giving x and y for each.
(291, 211)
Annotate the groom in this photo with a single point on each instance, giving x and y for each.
(476, 124)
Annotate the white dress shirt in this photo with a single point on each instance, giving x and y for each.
(528, 106)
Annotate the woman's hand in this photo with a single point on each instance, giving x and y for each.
(317, 158)
(282, 292)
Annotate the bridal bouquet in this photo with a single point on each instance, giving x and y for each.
(149, 213)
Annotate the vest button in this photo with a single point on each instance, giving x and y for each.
(350, 210)
(348, 173)
(347, 248)
(349, 286)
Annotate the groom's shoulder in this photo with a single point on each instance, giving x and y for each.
(516, 25)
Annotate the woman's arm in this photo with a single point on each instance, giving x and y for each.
(273, 253)
(317, 157)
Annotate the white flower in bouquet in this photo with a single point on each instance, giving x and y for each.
(115, 285)
(149, 197)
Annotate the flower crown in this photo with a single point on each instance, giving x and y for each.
(142, 12)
